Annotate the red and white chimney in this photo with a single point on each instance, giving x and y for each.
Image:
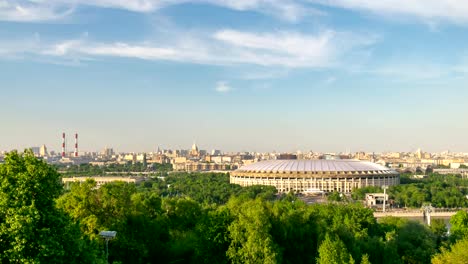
(76, 144)
(63, 145)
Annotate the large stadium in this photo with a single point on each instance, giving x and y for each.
(306, 176)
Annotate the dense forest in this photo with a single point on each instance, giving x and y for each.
(442, 191)
(86, 169)
(200, 218)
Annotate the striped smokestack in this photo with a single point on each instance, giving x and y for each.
(63, 145)
(76, 145)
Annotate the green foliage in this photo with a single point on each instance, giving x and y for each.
(457, 254)
(95, 170)
(212, 230)
(439, 229)
(32, 230)
(414, 242)
(201, 218)
(333, 251)
(142, 231)
(294, 230)
(443, 191)
(258, 191)
(251, 241)
(335, 197)
(354, 225)
(210, 188)
(206, 188)
(360, 193)
(459, 222)
(365, 259)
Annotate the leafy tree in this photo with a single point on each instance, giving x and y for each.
(251, 241)
(440, 190)
(459, 222)
(142, 229)
(439, 229)
(294, 230)
(414, 242)
(365, 259)
(333, 251)
(335, 197)
(258, 191)
(457, 254)
(213, 235)
(32, 229)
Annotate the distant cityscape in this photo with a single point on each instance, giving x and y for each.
(196, 159)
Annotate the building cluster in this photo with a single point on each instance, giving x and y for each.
(418, 160)
(195, 159)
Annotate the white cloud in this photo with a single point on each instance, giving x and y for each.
(228, 47)
(289, 10)
(454, 11)
(36, 10)
(29, 11)
(222, 87)
(428, 11)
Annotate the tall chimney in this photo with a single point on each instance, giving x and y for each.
(76, 144)
(63, 145)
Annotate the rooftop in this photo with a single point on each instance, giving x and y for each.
(314, 166)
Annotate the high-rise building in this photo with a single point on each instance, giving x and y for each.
(107, 152)
(35, 150)
(43, 151)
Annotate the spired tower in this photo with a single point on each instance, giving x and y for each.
(194, 150)
(419, 153)
(43, 151)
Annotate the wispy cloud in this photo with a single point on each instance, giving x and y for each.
(330, 80)
(222, 87)
(229, 47)
(428, 11)
(416, 70)
(412, 71)
(425, 10)
(33, 10)
(264, 74)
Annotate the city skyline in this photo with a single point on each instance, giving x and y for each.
(254, 75)
(70, 150)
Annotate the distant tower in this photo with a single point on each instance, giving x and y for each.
(194, 147)
(194, 150)
(43, 151)
(76, 144)
(63, 145)
(419, 153)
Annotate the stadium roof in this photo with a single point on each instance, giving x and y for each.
(314, 166)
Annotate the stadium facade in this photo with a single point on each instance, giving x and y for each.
(307, 176)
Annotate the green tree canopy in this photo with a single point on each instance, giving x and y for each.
(457, 254)
(459, 222)
(32, 229)
(333, 251)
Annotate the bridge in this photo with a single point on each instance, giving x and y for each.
(416, 213)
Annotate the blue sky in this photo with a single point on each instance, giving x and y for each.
(237, 75)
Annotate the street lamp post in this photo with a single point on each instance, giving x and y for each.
(385, 187)
(107, 235)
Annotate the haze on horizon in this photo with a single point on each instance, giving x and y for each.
(257, 75)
